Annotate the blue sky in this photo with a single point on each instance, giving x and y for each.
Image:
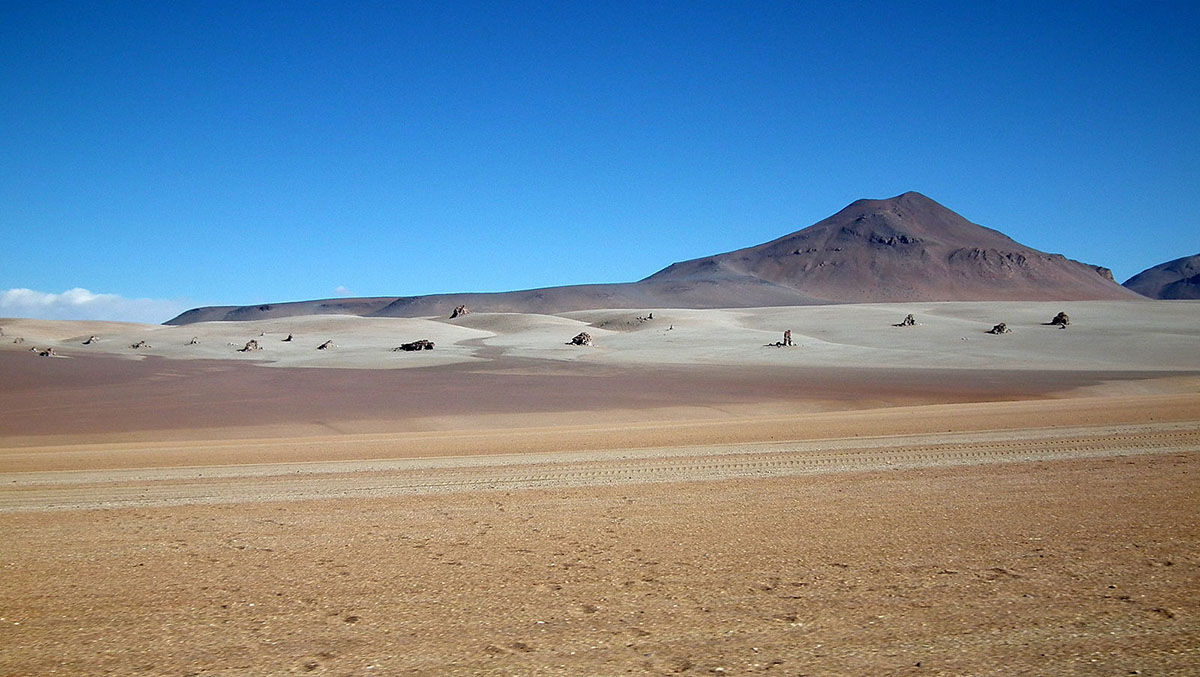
(166, 155)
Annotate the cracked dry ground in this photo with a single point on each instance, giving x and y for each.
(1085, 566)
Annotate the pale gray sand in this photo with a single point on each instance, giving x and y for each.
(1104, 335)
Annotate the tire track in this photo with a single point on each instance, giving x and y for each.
(286, 482)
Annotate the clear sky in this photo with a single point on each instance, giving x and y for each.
(162, 155)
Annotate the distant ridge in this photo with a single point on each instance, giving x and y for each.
(1178, 279)
(906, 248)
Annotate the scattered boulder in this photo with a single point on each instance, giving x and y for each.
(460, 311)
(423, 344)
(581, 339)
(140, 344)
(49, 352)
(194, 341)
(908, 321)
(785, 343)
(640, 319)
(18, 340)
(91, 340)
(328, 345)
(1061, 320)
(288, 339)
(251, 346)
(1000, 329)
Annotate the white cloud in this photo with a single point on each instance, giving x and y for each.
(81, 304)
(341, 291)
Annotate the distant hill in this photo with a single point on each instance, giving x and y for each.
(907, 248)
(1178, 279)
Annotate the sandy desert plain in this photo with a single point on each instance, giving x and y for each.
(678, 498)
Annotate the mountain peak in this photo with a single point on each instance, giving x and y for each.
(904, 248)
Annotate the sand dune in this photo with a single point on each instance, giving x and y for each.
(1104, 335)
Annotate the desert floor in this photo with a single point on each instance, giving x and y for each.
(678, 498)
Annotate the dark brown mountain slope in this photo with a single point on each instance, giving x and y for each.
(1178, 279)
(907, 248)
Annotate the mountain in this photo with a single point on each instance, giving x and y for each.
(1178, 279)
(906, 248)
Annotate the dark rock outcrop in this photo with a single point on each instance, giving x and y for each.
(328, 345)
(581, 339)
(423, 344)
(459, 311)
(1000, 329)
(1061, 319)
(140, 344)
(91, 340)
(785, 343)
(251, 346)
(908, 321)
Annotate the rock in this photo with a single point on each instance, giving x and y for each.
(49, 352)
(423, 344)
(140, 344)
(1061, 320)
(91, 340)
(582, 339)
(288, 339)
(1000, 329)
(785, 343)
(194, 341)
(251, 346)
(460, 311)
(328, 345)
(18, 340)
(908, 321)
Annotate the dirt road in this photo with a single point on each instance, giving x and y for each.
(373, 479)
